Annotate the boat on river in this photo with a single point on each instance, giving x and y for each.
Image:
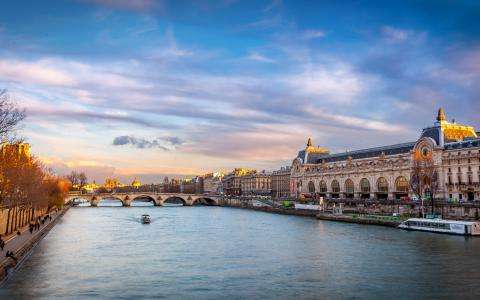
(442, 226)
(146, 219)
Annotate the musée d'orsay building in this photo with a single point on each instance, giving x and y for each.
(384, 172)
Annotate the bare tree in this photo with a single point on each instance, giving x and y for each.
(74, 178)
(10, 115)
(82, 179)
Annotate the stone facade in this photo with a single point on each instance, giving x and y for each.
(385, 172)
(212, 183)
(231, 183)
(256, 184)
(281, 183)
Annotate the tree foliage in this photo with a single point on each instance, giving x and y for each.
(24, 182)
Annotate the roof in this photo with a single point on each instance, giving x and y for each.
(367, 153)
(442, 221)
(463, 144)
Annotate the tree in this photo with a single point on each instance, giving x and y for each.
(78, 180)
(82, 179)
(10, 115)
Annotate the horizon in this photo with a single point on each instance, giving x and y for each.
(149, 89)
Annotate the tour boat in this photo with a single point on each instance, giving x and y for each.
(145, 219)
(442, 226)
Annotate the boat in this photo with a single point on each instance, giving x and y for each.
(442, 226)
(146, 219)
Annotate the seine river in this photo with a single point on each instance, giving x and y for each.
(214, 252)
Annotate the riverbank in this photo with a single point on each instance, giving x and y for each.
(366, 220)
(22, 244)
(377, 220)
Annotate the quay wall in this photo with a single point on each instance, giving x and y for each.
(447, 211)
(7, 265)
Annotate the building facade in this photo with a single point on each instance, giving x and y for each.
(281, 183)
(231, 183)
(256, 184)
(386, 172)
(212, 182)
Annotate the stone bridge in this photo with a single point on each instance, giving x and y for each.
(158, 199)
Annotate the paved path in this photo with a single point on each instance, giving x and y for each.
(14, 242)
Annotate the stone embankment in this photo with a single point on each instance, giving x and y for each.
(367, 220)
(349, 218)
(21, 245)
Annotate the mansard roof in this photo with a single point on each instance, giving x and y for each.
(368, 153)
(469, 143)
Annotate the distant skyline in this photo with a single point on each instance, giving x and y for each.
(145, 88)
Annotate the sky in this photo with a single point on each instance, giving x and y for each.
(144, 88)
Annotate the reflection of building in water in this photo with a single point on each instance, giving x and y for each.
(384, 172)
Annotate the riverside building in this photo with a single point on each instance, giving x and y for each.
(257, 183)
(384, 172)
(281, 183)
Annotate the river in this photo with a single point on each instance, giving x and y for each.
(214, 252)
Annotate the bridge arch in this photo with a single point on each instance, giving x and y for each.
(175, 199)
(96, 201)
(205, 201)
(145, 198)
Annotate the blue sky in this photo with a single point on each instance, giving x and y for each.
(145, 88)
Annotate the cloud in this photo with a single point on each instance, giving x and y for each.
(337, 82)
(164, 143)
(395, 34)
(259, 57)
(138, 5)
(312, 34)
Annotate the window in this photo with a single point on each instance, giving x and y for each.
(382, 185)
(311, 187)
(323, 187)
(335, 186)
(349, 186)
(401, 185)
(365, 186)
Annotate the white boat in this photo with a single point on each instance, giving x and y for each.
(442, 226)
(146, 219)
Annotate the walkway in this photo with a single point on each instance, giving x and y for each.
(15, 242)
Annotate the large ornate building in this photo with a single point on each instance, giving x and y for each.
(385, 172)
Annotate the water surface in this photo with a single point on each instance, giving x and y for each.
(214, 252)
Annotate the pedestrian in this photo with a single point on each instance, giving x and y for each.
(2, 243)
(18, 232)
(11, 255)
(30, 227)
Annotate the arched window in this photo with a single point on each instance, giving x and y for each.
(349, 186)
(335, 186)
(365, 186)
(401, 185)
(311, 187)
(382, 185)
(323, 187)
